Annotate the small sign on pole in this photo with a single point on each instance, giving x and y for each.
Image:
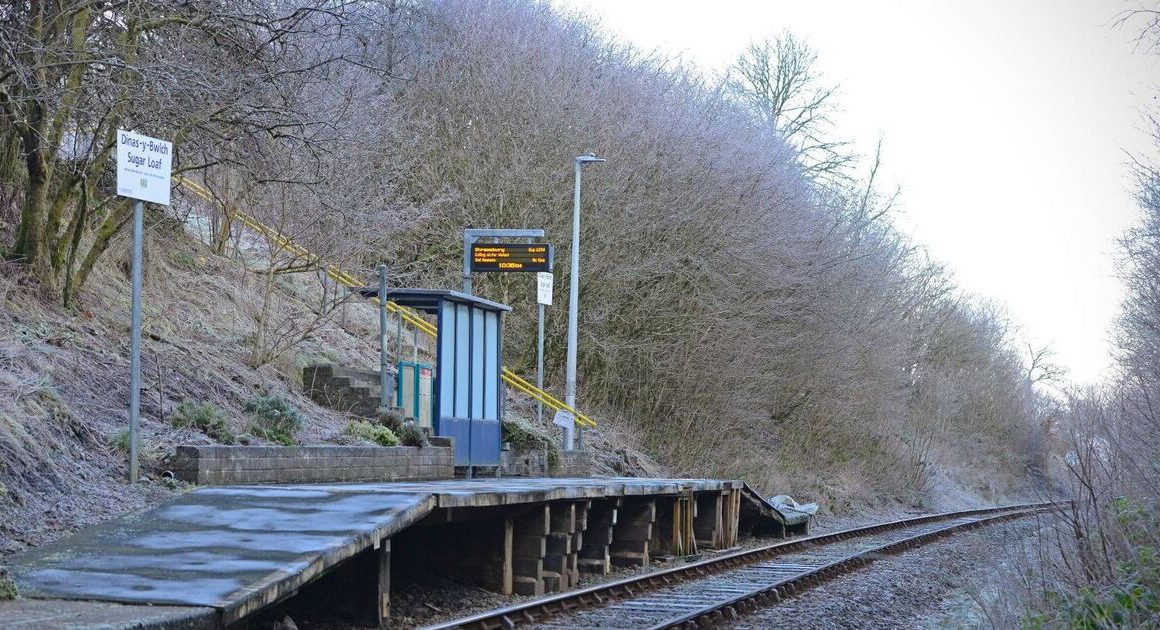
(564, 419)
(544, 288)
(143, 169)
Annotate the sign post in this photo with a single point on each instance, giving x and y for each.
(543, 298)
(143, 170)
(514, 257)
(384, 381)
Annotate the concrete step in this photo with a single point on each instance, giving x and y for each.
(370, 377)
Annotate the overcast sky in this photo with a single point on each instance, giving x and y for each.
(1005, 124)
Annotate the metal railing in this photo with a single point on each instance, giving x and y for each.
(342, 277)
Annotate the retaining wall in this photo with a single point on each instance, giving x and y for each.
(535, 464)
(221, 465)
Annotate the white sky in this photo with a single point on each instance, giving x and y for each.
(1004, 123)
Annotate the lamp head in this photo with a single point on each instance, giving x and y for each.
(591, 157)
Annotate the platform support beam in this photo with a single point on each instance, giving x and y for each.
(708, 524)
(384, 585)
(506, 585)
(565, 540)
(559, 546)
(582, 508)
(602, 516)
(632, 533)
(529, 546)
(731, 514)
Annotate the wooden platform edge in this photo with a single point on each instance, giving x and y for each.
(280, 585)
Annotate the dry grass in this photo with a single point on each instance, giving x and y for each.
(64, 377)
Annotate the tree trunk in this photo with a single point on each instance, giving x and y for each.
(109, 228)
(259, 355)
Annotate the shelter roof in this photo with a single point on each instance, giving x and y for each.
(427, 300)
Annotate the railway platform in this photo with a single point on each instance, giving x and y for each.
(221, 554)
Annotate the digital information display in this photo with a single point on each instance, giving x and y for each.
(509, 257)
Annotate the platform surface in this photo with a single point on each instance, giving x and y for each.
(231, 548)
(56, 614)
(239, 548)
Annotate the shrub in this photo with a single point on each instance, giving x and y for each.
(205, 417)
(411, 435)
(120, 440)
(522, 439)
(372, 433)
(7, 588)
(391, 419)
(184, 259)
(1128, 595)
(274, 418)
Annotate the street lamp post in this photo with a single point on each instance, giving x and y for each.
(574, 299)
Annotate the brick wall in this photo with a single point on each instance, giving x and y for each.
(219, 465)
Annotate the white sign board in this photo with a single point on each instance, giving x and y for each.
(143, 167)
(564, 419)
(544, 288)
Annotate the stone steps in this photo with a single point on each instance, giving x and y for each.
(348, 390)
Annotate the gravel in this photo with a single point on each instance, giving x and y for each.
(940, 585)
(437, 598)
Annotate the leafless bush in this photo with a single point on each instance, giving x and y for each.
(729, 305)
(1099, 566)
(741, 315)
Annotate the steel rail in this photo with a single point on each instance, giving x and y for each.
(538, 610)
(733, 608)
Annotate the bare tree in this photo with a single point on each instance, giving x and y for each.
(202, 73)
(1041, 367)
(777, 80)
(724, 294)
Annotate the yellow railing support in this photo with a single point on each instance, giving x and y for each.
(411, 317)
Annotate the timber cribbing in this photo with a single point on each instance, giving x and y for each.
(714, 591)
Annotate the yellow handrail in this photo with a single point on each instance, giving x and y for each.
(411, 317)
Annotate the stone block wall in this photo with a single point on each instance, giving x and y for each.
(535, 464)
(221, 465)
(574, 464)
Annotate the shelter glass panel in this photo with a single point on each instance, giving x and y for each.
(490, 365)
(446, 359)
(462, 360)
(478, 339)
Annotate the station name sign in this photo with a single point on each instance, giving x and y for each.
(510, 257)
(143, 167)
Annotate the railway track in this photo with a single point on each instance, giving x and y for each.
(712, 592)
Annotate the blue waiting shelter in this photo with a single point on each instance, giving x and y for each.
(468, 386)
